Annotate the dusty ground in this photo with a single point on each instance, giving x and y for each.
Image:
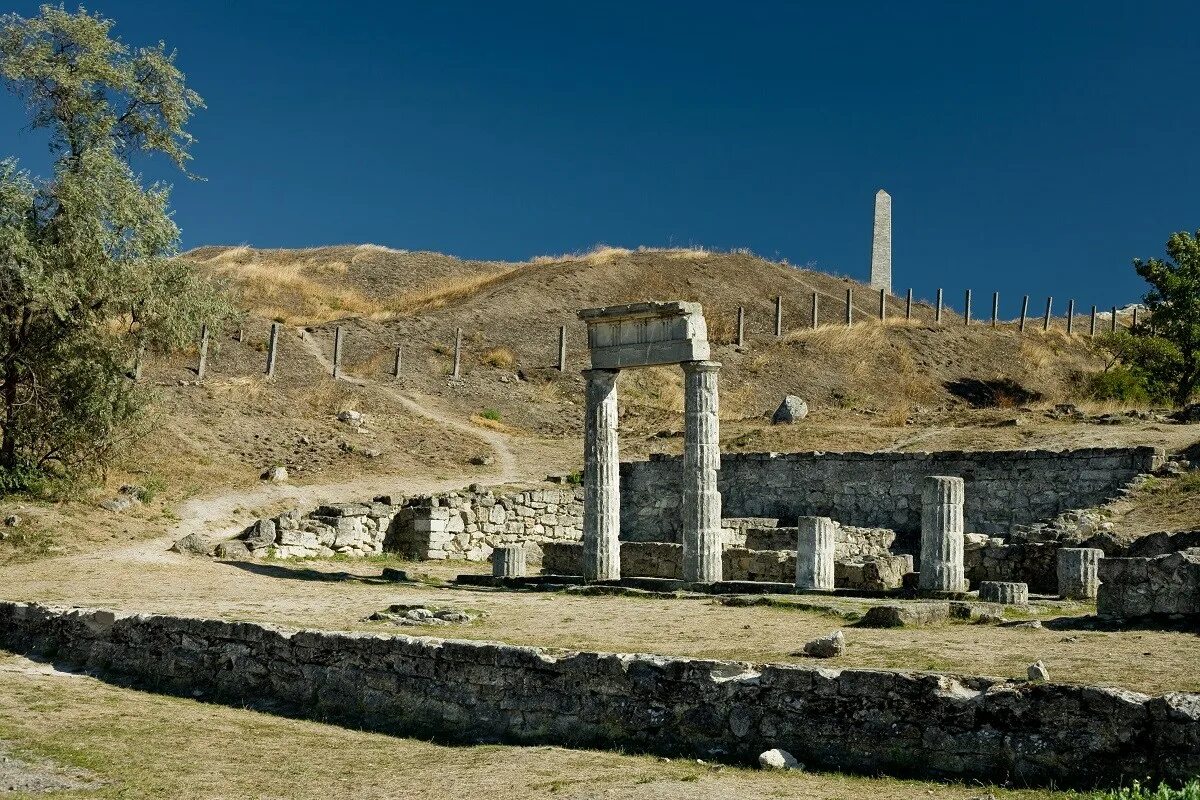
(208, 752)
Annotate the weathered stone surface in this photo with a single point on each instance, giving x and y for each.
(814, 553)
(646, 334)
(233, 550)
(861, 720)
(701, 534)
(829, 646)
(275, 474)
(1167, 585)
(195, 544)
(1010, 594)
(941, 565)
(260, 535)
(1037, 672)
(792, 409)
(601, 471)
(1008, 489)
(1032, 563)
(906, 615)
(1078, 573)
(873, 573)
(508, 562)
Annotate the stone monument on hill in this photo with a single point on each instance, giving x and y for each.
(881, 243)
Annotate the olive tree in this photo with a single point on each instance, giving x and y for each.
(88, 282)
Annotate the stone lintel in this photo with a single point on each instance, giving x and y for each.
(646, 334)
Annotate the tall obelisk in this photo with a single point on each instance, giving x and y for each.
(881, 244)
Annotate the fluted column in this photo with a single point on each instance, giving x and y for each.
(814, 553)
(1079, 572)
(601, 478)
(942, 535)
(701, 459)
(508, 561)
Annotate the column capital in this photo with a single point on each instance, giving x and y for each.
(700, 366)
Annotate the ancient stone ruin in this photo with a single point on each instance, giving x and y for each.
(645, 335)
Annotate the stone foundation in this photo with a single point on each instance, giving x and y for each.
(1033, 563)
(1160, 586)
(852, 720)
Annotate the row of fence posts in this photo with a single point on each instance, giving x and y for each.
(939, 305)
(740, 340)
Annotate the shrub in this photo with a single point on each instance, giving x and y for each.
(1120, 384)
(490, 413)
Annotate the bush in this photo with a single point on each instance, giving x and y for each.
(1120, 384)
(490, 413)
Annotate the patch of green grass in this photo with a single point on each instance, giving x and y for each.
(1190, 791)
(490, 413)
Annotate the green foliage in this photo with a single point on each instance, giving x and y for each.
(1174, 304)
(1190, 791)
(1141, 369)
(490, 413)
(88, 282)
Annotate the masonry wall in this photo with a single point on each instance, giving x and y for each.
(854, 720)
(1158, 586)
(1005, 489)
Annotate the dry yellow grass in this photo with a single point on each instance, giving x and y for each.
(499, 357)
(606, 254)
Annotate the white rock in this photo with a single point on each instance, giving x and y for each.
(276, 474)
(778, 759)
(792, 409)
(1038, 672)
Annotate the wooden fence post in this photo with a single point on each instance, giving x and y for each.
(337, 352)
(937, 311)
(202, 365)
(1046, 320)
(849, 306)
(457, 353)
(815, 313)
(399, 353)
(908, 305)
(273, 350)
(1133, 323)
(883, 305)
(1070, 316)
(778, 316)
(1024, 312)
(562, 348)
(967, 309)
(995, 308)
(1113, 324)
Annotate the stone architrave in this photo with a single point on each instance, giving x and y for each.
(881, 243)
(815, 542)
(601, 478)
(941, 569)
(702, 540)
(646, 334)
(508, 562)
(1079, 572)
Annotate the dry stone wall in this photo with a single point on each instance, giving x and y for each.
(855, 720)
(464, 525)
(1004, 489)
(1158, 586)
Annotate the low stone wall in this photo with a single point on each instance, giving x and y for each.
(1158, 586)
(1004, 489)
(665, 560)
(1033, 563)
(853, 720)
(463, 525)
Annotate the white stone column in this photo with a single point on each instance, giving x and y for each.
(702, 546)
(814, 553)
(1079, 572)
(508, 561)
(601, 478)
(942, 535)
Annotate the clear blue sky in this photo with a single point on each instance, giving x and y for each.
(1029, 147)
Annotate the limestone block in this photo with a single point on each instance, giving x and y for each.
(814, 553)
(508, 562)
(1011, 594)
(1078, 572)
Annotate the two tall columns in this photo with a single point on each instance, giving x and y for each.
(702, 546)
